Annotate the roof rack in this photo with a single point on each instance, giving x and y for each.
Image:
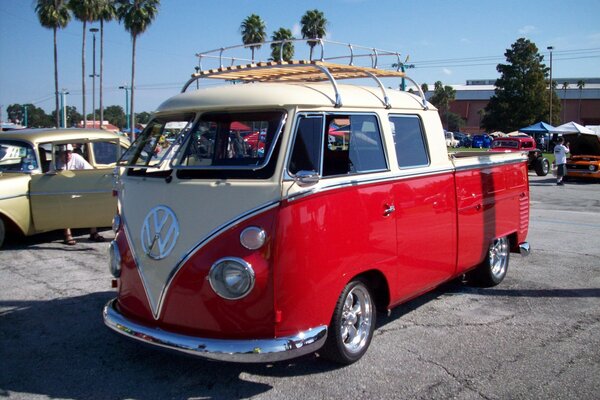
(303, 70)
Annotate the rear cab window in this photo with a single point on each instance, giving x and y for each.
(409, 141)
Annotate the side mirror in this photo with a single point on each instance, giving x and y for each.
(307, 178)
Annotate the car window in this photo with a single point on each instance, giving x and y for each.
(306, 153)
(409, 141)
(17, 156)
(105, 152)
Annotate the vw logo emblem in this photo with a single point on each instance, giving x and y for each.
(159, 232)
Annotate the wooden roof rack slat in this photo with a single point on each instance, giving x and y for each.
(303, 70)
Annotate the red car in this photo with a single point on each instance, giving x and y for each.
(536, 160)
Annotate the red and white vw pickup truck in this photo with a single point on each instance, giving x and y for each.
(271, 218)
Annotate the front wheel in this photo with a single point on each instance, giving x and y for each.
(493, 269)
(352, 324)
(542, 166)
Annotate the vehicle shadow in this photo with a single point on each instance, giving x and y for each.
(61, 349)
(48, 239)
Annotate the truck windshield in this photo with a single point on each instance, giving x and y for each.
(17, 157)
(157, 143)
(228, 141)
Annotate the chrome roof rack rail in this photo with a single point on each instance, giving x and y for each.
(322, 69)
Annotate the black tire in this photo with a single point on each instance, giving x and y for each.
(493, 269)
(352, 324)
(542, 166)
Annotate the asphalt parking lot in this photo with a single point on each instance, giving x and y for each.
(535, 336)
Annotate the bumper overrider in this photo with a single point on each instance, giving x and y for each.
(251, 350)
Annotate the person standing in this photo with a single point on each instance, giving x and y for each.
(69, 160)
(560, 157)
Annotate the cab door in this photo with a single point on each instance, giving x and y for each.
(72, 198)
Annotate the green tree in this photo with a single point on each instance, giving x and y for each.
(521, 96)
(253, 32)
(85, 11)
(143, 117)
(73, 117)
(580, 86)
(116, 116)
(107, 13)
(288, 48)
(36, 117)
(53, 14)
(136, 15)
(441, 99)
(314, 26)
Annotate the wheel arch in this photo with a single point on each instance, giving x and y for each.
(379, 286)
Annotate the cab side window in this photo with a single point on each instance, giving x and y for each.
(105, 152)
(409, 141)
(306, 154)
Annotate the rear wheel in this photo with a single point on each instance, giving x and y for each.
(352, 324)
(493, 269)
(542, 166)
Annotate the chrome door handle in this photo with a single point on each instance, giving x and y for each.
(388, 210)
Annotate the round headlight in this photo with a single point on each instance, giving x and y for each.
(253, 238)
(231, 278)
(592, 167)
(114, 255)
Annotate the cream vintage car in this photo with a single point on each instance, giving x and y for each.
(36, 196)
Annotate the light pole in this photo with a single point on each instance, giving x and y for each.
(63, 100)
(93, 76)
(126, 88)
(551, 88)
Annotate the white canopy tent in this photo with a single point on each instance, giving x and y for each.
(573, 127)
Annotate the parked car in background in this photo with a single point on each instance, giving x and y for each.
(464, 140)
(37, 196)
(536, 160)
(584, 161)
(481, 141)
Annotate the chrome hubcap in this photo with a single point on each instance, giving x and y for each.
(498, 256)
(356, 319)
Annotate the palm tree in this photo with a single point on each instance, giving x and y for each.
(288, 48)
(53, 14)
(313, 27)
(108, 12)
(85, 11)
(565, 86)
(136, 15)
(253, 31)
(580, 85)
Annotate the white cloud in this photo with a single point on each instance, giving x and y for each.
(465, 40)
(447, 71)
(527, 29)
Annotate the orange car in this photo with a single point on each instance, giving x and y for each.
(584, 161)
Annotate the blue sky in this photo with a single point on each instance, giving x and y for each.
(450, 41)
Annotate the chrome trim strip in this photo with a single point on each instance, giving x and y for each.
(489, 164)
(14, 196)
(235, 350)
(367, 181)
(70, 193)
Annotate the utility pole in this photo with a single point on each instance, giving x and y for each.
(93, 76)
(551, 86)
(126, 88)
(63, 102)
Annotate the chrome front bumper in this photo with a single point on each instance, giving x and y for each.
(252, 350)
